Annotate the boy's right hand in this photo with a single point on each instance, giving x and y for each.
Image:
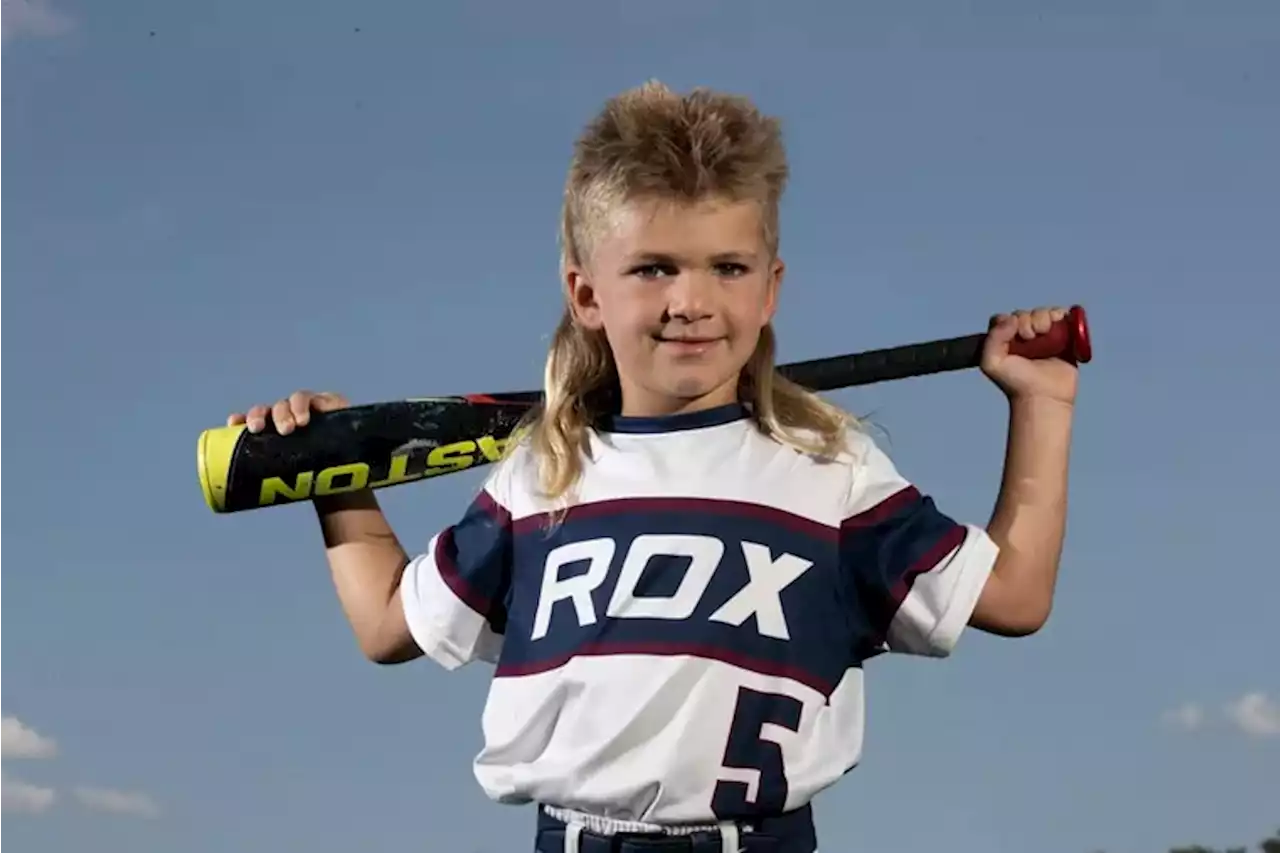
(291, 412)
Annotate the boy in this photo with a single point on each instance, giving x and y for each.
(682, 566)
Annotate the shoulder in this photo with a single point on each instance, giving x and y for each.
(862, 452)
(874, 480)
(861, 470)
(513, 474)
(857, 449)
(516, 483)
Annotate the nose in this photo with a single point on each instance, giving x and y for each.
(690, 296)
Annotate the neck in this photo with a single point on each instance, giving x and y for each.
(638, 403)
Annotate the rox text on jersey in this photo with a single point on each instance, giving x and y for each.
(768, 601)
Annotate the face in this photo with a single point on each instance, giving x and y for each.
(682, 293)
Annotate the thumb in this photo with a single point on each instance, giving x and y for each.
(328, 401)
(1002, 329)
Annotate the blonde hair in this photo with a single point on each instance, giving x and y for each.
(652, 143)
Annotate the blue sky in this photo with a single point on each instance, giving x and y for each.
(209, 205)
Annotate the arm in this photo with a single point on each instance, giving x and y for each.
(364, 555)
(918, 577)
(367, 562)
(913, 573)
(448, 602)
(1029, 520)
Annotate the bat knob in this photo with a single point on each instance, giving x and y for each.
(1078, 331)
(1067, 339)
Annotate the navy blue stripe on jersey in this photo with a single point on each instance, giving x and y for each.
(474, 559)
(885, 548)
(746, 584)
(674, 423)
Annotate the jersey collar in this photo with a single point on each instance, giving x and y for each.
(700, 419)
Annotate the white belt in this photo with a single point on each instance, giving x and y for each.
(575, 822)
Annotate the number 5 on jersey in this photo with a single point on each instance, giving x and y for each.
(753, 778)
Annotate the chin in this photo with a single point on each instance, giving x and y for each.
(693, 387)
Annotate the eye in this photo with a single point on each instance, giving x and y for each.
(732, 270)
(654, 270)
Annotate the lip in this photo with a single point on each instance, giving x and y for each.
(663, 340)
(689, 346)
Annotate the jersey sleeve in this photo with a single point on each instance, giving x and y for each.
(455, 593)
(915, 573)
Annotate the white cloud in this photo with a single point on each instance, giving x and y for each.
(22, 741)
(1255, 714)
(35, 18)
(23, 797)
(1187, 717)
(130, 803)
(17, 740)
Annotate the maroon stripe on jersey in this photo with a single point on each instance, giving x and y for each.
(705, 506)
(874, 515)
(927, 562)
(660, 649)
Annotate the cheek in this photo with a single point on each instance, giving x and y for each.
(628, 329)
(627, 317)
(752, 313)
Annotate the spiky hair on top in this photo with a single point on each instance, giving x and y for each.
(651, 142)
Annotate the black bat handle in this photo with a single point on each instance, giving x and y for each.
(1067, 339)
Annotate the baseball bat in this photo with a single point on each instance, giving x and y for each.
(391, 443)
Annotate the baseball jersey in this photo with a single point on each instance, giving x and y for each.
(686, 643)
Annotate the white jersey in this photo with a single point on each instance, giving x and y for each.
(687, 644)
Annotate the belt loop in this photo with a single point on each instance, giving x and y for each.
(572, 837)
(729, 840)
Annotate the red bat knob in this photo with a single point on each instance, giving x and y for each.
(1067, 339)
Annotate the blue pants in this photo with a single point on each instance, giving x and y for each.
(789, 833)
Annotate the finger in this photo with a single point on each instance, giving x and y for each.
(256, 418)
(328, 401)
(1026, 330)
(300, 406)
(235, 419)
(282, 416)
(1058, 313)
(1041, 320)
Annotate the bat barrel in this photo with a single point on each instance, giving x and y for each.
(371, 446)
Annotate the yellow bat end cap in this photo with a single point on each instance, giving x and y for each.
(214, 451)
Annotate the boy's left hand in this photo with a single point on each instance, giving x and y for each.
(1018, 377)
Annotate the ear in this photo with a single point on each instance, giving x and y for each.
(582, 300)
(774, 283)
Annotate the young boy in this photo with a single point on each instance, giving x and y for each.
(681, 567)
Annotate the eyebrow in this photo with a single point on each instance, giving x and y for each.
(664, 258)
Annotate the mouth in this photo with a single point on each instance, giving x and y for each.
(687, 345)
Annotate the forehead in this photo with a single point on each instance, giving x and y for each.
(710, 226)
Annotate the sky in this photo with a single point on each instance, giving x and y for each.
(208, 205)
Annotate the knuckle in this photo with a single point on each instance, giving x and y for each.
(332, 400)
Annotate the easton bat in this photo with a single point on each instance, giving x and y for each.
(387, 444)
